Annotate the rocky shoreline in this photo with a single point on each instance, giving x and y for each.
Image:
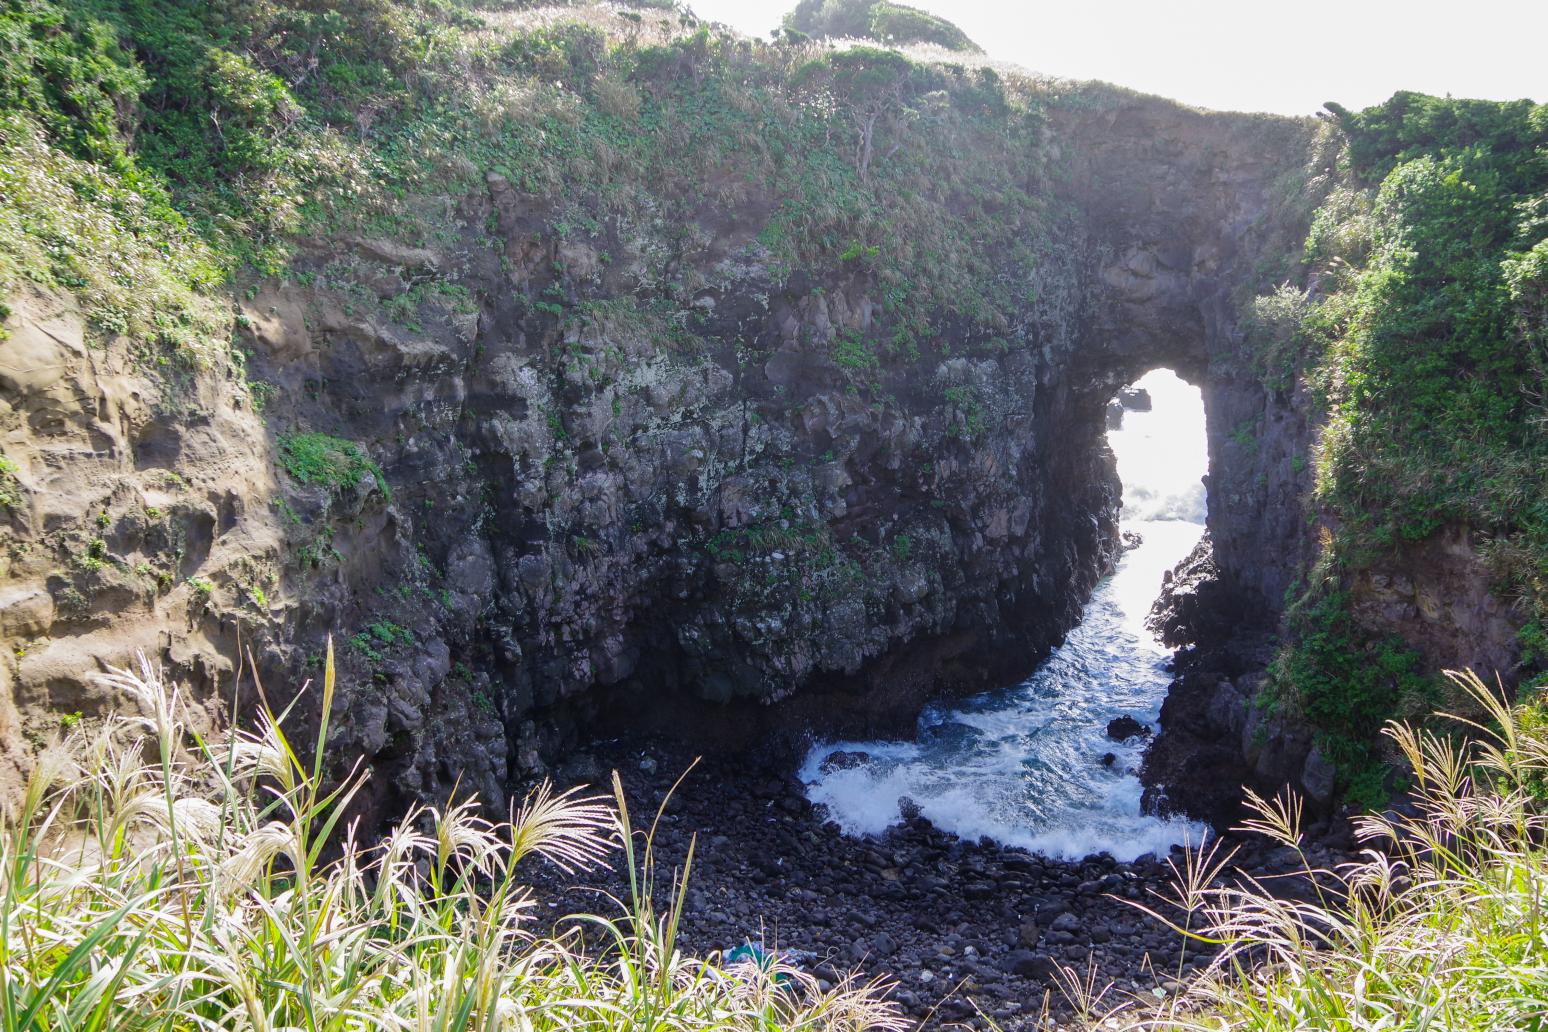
(1216, 736)
(969, 931)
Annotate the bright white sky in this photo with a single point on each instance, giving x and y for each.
(1249, 55)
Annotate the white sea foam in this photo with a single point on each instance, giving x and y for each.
(1022, 765)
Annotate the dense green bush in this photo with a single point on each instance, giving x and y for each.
(1426, 345)
(10, 487)
(831, 17)
(1412, 125)
(899, 23)
(881, 20)
(70, 73)
(217, 114)
(1348, 681)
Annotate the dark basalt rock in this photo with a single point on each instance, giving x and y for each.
(1134, 399)
(844, 761)
(914, 904)
(668, 508)
(1124, 728)
(1196, 603)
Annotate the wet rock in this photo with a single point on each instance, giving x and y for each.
(1124, 728)
(1196, 603)
(841, 760)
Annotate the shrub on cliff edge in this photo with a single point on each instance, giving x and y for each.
(1421, 332)
(886, 22)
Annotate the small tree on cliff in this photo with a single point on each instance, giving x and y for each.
(877, 89)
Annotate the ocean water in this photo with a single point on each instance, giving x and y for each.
(1023, 764)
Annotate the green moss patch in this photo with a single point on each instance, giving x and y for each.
(312, 458)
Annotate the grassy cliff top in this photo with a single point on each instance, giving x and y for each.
(879, 20)
(156, 150)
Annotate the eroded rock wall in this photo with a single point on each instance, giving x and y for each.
(601, 507)
(609, 513)
(1186, 216)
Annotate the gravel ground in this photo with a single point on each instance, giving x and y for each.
(964, 928)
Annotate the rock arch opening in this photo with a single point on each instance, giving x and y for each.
(1156, 432)
(1156, 429)
(1052, 763)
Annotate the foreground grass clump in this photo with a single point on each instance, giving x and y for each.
(1439, 926)
(191, 891)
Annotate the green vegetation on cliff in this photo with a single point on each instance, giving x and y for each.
(155, 151)
(1425, 336)
(1434, 369)
(332, 462)
(897, 24)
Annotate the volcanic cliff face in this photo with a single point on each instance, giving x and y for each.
(1184, 216)
(579, 507)
(1182, 220)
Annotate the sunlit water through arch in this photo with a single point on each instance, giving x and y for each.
(1023, 765)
